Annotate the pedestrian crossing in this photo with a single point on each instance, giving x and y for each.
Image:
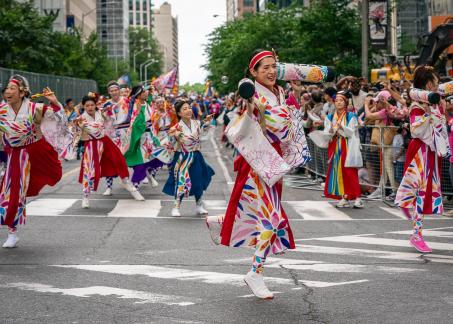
(310, 210)
(329, 262)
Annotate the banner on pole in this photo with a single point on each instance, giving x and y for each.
(378, 23)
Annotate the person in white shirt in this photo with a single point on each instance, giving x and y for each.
(398, 154)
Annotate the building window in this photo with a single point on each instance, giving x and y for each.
(131, 18)
(144, 5)
(248, 3)
(131, 5)
(104, 19)
(137, 18)
(104, 34)
(137, 5)
(145, 20)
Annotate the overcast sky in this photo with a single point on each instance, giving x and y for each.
(195, 22)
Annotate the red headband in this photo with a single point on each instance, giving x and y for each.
(15, 82)
(258, 57)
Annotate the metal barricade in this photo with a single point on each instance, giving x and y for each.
(378, 171)
(64, 87)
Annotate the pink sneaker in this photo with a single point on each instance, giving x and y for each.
(419, 244)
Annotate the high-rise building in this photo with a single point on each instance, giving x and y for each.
(112, 26)
(165, 29)
(440, 7)
(412, 16)
(140, 13)
(280, 4)
(245, 6)
(231, 9)
(69, 14)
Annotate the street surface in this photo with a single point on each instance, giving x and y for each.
(124, 261)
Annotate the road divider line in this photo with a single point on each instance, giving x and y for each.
(194, 275)
(142, 297)
(219, 159)
(66, 174)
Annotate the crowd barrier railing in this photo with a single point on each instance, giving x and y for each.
(379, 168)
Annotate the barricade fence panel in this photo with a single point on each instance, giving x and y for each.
(383, 165)
(64, 87)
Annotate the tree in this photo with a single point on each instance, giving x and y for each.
(195, 87)
(326, 33)
(26, 38)
(143, 44)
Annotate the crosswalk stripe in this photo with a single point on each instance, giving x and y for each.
(132, 208)
(193, 275)
(320, 266)
(362, 239)
(143, 297)
(394, 211)
(378, 254)
(49, 206)
(433, 232)
(317, 210)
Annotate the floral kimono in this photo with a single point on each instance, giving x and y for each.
(118, 113)
(142, 143)
(255, 217)
(101, 158)
(342, 177)
(32, 161)
(189, 173)
(161, 124)
(420, 188)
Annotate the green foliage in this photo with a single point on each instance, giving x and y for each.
(195, 88)
(27, 42)
(145, 46)
(327, 33)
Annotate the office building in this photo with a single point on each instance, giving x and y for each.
(165, 29)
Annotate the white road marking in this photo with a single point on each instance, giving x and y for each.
(49, 206)
(379, 254)
(433, 232)
(132, 208)
(226, 173)
(394, 211)
(319, 266)
(381, 241)
(317, 210)
(144, 297)
(193, 275)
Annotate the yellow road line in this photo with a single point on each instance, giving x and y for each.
(70, 172)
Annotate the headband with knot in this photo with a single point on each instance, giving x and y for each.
(258, 57)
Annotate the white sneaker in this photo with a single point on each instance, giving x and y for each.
(175, 212)
(343, 203)
(11, 242)
(145, 181)
(376, 194)
(107, 192)
(256, 284)
(137, 195)
(200, 209)
(153, 181)
(358, 203)
(214, 224)
(85, 203)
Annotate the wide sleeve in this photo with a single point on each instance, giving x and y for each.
(284, 124)
(57, 131)
(420, 125)
(351, 128)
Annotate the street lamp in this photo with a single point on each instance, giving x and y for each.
(140, 51)
(146, 68)
(87, 13)
(143, 64)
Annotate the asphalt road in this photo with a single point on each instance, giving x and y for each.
(124, 261)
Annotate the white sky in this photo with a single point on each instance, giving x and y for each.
(195, 22)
